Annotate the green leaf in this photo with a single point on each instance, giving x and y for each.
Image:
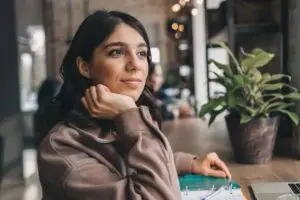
(226, 82)
(256, 75)
(214, 114)
(245, 53)
(257, 51)
(248, 109)
(266, 76)
(245, 118)
(286, 105)
(260, 59)
(231, 99)
(237, 64)
(210, 106)
(271, 87)
(293, 95)
(223, 67)
(276, 95)
(239, 80)
(263, 107)
(273, 99)
(276, 77)
(293, 116)
(218, 75)
(291, 87)
(274, 104)
(276, 86)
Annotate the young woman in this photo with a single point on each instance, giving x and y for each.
(104, 139)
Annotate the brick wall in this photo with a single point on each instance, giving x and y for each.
(151, 12)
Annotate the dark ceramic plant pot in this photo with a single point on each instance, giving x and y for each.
(253, 142)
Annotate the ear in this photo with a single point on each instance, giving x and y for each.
(83, 67)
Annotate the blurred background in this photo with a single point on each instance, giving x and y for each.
(36, 33)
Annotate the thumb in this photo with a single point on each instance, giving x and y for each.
(106, 89)
(216, 173)
(102, 89)
(102, 92)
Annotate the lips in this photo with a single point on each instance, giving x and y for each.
(132, 79)
(132, 82)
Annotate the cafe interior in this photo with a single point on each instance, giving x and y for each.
(225, 74)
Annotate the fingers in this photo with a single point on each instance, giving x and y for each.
(90, 100)
(91, 97)
(87, 106)
(221, 165)
(215, 173)
(102, 89)
(217, 162)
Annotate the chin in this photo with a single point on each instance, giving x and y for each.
(134, 96)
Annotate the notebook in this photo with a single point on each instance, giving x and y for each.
(197, 187)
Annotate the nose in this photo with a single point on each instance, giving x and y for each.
(133, 62)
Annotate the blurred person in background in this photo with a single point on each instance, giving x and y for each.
(154, 82)
(157, 85)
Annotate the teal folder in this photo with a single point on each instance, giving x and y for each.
(199, 182)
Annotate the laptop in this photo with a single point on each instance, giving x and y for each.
(274, 190)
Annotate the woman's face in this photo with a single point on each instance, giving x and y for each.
(120, 62)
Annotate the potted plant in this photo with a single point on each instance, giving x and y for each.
(254, 100)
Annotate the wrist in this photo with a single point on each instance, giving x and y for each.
(193, 165)
(130, 122)
(128, 106)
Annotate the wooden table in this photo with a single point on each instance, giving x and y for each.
(193, 136)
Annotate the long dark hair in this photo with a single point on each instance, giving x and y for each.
(90, 34)
(48, 89)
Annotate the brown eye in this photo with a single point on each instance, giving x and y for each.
(143, 53)
(116, 52)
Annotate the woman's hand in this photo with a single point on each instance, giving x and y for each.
(211, 165)
(101, 103)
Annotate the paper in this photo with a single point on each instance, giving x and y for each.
(223, 195)
(194, 195)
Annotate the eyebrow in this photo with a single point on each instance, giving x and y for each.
(123, 44)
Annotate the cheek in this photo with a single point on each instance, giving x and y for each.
(98, 74)
(145, 69)
(104, 73)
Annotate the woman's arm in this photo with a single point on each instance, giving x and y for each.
(183, 162)
(209, 165)
(153, 175)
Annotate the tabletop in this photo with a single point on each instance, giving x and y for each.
(194, 136)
